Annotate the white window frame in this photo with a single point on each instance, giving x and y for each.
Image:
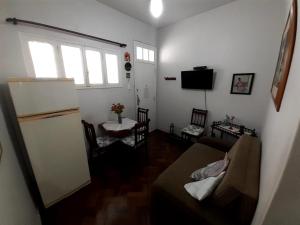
(25, 39)
(119, 66)
(104, 77)
(59, 52)
(148, 47)
(56, 43)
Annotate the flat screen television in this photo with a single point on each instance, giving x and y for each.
(197, 79)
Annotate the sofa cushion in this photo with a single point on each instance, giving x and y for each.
(169, 187)
(241, 181)
(193, 130)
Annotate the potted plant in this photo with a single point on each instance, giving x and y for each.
(118, 109)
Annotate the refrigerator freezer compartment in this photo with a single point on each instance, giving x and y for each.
(40, 96)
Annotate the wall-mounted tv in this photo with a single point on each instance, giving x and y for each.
(197, 79)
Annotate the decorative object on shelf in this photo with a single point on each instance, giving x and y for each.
(118, 109)
(170, 78)
(242, 83)
(285, 57)
(231, 129)
(229, 120)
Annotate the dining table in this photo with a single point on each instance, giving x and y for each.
(116, 129)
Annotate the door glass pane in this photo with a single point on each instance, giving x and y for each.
(139, 53)
(43, 58)
(94, 66)
(145, 54)
(112, 68)
(72, 60)
(151, 55)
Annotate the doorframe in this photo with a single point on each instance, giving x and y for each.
(151, 47)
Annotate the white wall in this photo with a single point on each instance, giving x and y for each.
(280, 182)
(16, 206)
(241, 37)
(87, 16)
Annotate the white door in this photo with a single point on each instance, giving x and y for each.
(145, 72)
(56, 149)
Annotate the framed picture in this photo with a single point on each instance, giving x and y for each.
(242, 83)
(285, 57)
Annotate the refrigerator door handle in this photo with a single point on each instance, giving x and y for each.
(47, 116)
(52, 116)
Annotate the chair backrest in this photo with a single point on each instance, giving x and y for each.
(199, 117)
(141, 131)
(90, 134)
(142, 115)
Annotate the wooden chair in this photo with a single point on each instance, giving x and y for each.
(139, 136)
(142, 115)
(197, 125)
(97, 145)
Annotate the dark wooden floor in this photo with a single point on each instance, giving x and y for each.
(120, 188)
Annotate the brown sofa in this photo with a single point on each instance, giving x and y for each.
(234, 200)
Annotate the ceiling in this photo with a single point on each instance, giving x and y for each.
(174, 10)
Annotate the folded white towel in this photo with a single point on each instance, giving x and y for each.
(203, 188)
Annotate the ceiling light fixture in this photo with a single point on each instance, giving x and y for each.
(156, 8)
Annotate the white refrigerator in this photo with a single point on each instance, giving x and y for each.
(49, 119)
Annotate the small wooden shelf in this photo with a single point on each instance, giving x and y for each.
(170, 78)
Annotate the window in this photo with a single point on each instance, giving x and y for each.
(112, 68)
(72, 61)
(87, 66)
(145, 54)
(94, 66)
(139, 53)
(43, 59)
(151, 55)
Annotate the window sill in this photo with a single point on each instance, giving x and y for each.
(97, 87)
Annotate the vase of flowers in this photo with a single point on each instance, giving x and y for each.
(118, 109)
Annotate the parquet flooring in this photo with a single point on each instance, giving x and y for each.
(120, 188)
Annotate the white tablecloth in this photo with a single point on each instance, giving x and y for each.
(127, 124)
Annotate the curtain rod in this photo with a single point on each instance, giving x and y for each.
(15, 21)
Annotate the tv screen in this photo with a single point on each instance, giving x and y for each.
(197, 79)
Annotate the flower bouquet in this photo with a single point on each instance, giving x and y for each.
(118, 109)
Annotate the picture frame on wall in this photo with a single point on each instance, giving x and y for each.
(285, 57)
(242, 83)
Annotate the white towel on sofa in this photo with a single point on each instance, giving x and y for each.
(203, 188)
